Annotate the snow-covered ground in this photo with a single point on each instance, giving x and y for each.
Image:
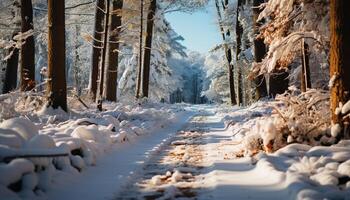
(159, 151)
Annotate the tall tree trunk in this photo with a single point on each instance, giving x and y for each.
(113, 48)
(305, 67)
(259, 51)
(103, 58)
(57, 86)
(228, 55)
(27, 49)
(139, 70)
(239, 32)
(10, 79)
(340, 62)
(148, 47)
(96, 49)
(76, 68)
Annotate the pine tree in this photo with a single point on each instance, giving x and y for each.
(139, 70)
(27, 49)
(96, 49)
(113, 48)
(148, 47)
(340, 62)
(305, 67)
(103, 58)
(239, 32)
(259, 51)
(57, 86)
(228, 55)
(10, 79)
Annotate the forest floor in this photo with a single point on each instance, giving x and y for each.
(160, 151)
(193, 158)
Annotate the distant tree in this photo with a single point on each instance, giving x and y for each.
(228, 55)
(27, 49)
(10, 79)
(139, 70)
(340, 63)
(259, 51)
(239, 32)
(305, 67)
(97, 45)
(113, 48)
(103, 58)
(57, 86)
(148, 47)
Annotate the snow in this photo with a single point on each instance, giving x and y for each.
(346, 108)
(165, 151)
(22, 126)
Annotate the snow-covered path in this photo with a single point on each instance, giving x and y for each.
(196, 163)
(115, 168)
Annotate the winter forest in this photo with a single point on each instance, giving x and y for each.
(102, 99)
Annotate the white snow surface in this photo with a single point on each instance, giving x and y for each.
(107, 150)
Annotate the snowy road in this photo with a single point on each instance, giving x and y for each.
(192, 158)
(198, 162)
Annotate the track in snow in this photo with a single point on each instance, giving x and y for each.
(174, 170)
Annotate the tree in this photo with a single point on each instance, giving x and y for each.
(148, 47)
(10, 79)
(139, 70)
(27, 49)
(228, 55)
(57, 86)
(113, 48)
(305, 67)
(96, 49)
(259, 51)
(340, 65)
(239, 32)
(103, 58)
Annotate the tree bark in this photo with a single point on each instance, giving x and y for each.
(113, 48)
(57, 86)
(340, 61)
(28, 48)
(76, 68)
(259, 51)
(103, 58)
(10, 79)
(228, 55)
(305, 67)
(96, 49)
(139, 70)
(239, 32)
(148, 48)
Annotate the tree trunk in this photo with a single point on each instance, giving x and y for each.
(228, 55)
(27, 49)
(76, 68)
(239, 32)
(139, 70)
(305, 68)
(148, 48)
(340, 62)
(96, 49)
(259, 51)
(57, 86)
(113, 48)
(103, 58)
(10, 79)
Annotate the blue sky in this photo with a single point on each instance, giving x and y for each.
(199, 29)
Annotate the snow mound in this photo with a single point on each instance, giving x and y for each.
(22, 126)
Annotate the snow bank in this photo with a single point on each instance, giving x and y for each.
(32, 155)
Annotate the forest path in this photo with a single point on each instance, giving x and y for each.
(175, 170)
(200, 162)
